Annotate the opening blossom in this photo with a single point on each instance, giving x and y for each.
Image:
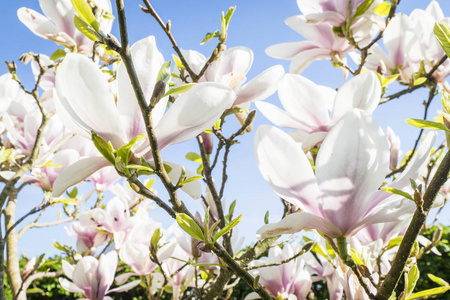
(86, 103)
(343, 195)
(93, 278)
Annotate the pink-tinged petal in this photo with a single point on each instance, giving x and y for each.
(233, 65)
(302, 60)
(70, 120)
(307, 101)
(107, 265)
(322, 34)
(193, 112)
(85, 94)
(286, 169)
(362, 91)
(260, 87)
(37, 23)
(77, 172)
(147, 62)
(61, 12)
(351, 165)
(122, 278)
(296, 222)
(308, 141)
(278, 116)
(69, 286)
(84, 274)
(126, 287)
(332, 17)
(68, 269)
(289, 50)
(392, 209)
(193, 188)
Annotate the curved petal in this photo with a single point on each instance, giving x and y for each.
(61, 12)
(195, 59)
(77, 172)
(193, 112)
(107, 265)
(85, 94)
(302, 60)
(278, 116)
(37, 23)
(289, 50)
(392, 209)
(232, 65)
(147, 61)
(307, 101)
(126, 287)
(260, 87)
(351, 165)
(332, 17)
(286, 169)
(363, 92)
(296, 222)
(69, 286)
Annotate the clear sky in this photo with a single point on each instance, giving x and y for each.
(255, 24)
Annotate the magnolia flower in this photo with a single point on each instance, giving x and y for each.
(58, 23)
(88, 237)
(87, 104)
(342, 196)
(291, 280)
(93, 277)
(394, 146)
(410, 42)
(321, 43)
(307, 105)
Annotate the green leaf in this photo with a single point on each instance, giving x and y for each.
(58, 54)
(363, 8)
(155, 238)
(397, 192)
(413, 184)
(85, 13)
(65, 201)
(179, 90)
(438, 280)
(229, 14)
(424, 124)
(187, 224)
(73, 194)
(419, 81)
(231, 209)
(227, 228)
(430, 292)
(35, 291)
(190, 179)
(103, 148)
(266, 218)
(411, 280)
(139, 167)
(383, 9)
(192, 156)
(209, 36)
(442, 33)
(84, 28)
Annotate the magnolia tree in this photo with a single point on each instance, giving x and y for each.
(103, 109)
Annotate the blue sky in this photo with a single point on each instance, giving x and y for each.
(255, 24)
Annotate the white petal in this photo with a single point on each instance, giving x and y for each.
(278, 116)
(126, 287)
(302, 60)
(260, 87)
(363, 92)
(351, 165)
(36, 22)
(77, 172)
(85, 94)
(296, 222)
(69, 286)
(286, 169)
(289, 50)
(193, 112)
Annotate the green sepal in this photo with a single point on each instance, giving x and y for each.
(124, 152)
(103, 147)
